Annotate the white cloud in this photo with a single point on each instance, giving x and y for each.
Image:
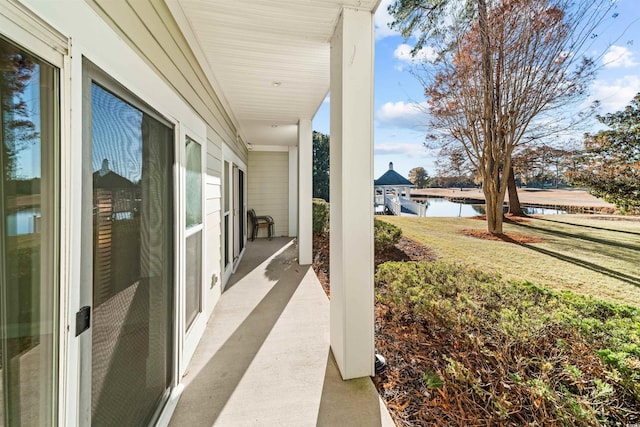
(403, 53)
(618, 57)
(403, 115)
(616, 95)
(382, 19)
(327, 99)
(409, 149)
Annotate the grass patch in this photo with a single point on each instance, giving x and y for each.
(589, 256)
(469, 348)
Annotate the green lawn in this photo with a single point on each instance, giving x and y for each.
(583, 254)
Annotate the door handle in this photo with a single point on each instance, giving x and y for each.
(83, 319)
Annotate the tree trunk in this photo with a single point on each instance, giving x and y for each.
(491, 173)
(493, 204)
(514, 201)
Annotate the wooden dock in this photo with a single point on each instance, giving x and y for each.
(569, 200)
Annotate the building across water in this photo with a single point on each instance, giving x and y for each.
(392, 194)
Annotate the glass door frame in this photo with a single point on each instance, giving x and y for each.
(91, 73)
(231, 248)
(27, 31)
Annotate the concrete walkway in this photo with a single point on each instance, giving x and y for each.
(265, 359)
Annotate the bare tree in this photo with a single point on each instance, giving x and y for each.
(18, 130)
(506, 74)
(453, 168)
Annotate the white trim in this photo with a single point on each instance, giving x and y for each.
(305, 191)
(260, 147)
(193, 230)
(170, 406)
(71, 163)
(228, 155)
(351, 181)
(24, 28)
(191, 335)
(68, 353)
(293, 191)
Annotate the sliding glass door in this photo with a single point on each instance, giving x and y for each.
(131, 165)
(29, 131)
(235, 212)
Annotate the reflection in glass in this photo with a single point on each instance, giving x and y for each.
(194, 183)
(194, 277)
(226, 178)
(28, 297)
(132, 157)
(193, 256)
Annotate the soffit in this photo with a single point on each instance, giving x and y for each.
(248, 45)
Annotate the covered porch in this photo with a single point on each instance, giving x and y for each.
(265, 357)
(273, 63)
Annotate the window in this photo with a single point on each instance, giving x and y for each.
(193, 253)
(29, 122)
(226, 178)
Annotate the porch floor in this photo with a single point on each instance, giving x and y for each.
(264, 359)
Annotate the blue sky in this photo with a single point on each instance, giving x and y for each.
(399, 127)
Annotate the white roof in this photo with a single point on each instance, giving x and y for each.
(267, 59)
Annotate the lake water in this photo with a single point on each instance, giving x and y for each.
(444, 208)
(22, 221)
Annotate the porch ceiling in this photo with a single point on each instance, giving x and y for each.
(268, 59)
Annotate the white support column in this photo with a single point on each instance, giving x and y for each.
(293, 191)
(305, 191)
(352, 324)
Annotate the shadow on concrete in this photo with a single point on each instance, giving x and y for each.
(203, 399)
(353, 402)
(257, 252)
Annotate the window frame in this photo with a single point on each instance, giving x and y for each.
(192, 230)
(94, 74)
(27, 31)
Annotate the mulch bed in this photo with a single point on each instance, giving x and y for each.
(394, 341)
(413, 348)
(321, 259)
(505, 237)
(405, 250)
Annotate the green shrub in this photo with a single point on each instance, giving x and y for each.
(574, 356)
(320, 215)
(385, 235)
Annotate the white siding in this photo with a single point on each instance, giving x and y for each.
(150, 29)
(138, 44)
(268, 192)
(213, 217)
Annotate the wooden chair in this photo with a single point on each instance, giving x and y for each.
(258, 222)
